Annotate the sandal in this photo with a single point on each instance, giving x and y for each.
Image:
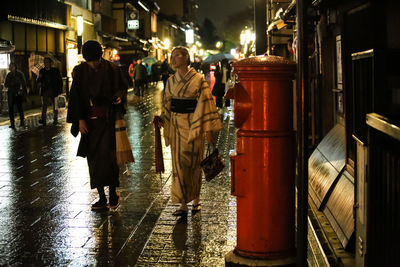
(99, 205)
(114, 201)
(196, 208)
(179, 212)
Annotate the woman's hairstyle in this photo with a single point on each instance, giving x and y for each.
(92, 50)
(184, 51)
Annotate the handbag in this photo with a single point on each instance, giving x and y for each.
(60, 102)
(212, 165)
(123, 146)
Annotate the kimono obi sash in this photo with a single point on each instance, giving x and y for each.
(183, 105)
(97, 112)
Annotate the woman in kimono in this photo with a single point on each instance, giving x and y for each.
(98, 92)
(189, 115)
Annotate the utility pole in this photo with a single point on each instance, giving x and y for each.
(260, 24)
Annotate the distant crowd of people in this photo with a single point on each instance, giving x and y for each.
(143, 74)
(50, 86)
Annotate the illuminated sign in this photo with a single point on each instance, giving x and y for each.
(189, 36)
(133, 24)
(4, 61)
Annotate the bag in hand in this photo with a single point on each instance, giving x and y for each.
(60, 102)
(212, 165)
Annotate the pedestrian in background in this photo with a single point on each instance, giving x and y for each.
(155, 73)
(218, 91)
(50, 83)
(16, 85)
(166, 71)
(98, 93)
(148, 75)
(188, 116)
(226, 74)
(139, 78)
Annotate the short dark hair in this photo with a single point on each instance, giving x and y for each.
(184, 52)
(48, 59)
(92, 50)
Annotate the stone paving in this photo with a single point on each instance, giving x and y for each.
(205, 237)
(45, 202)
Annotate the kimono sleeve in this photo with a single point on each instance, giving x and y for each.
(75, 111)
(205, 117)
(166, 112)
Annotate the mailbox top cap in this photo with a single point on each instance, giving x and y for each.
(265, 60)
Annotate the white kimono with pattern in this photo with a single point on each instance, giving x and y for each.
(185, 133)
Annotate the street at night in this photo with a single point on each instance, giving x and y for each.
(233, 133)
(45, 201)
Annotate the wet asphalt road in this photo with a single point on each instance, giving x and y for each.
(45, 199)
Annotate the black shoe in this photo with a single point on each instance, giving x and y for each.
(12, 127)
(99, 205)
(42, 122)
(179, 212)
(114, 201)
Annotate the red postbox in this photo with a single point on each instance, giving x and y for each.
(263, 167)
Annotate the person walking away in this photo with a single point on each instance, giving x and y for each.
(226, 74)
(98, 94)
(148, 75)
(16, 90)
(218, 91)
(166, 71)
(155, 74)
(50, 83)
(188, 116)
(139, 78)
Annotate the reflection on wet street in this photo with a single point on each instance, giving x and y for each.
(45, 201)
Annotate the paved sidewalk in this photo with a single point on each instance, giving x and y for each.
(204, 238)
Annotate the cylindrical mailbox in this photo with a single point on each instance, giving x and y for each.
(263, 167)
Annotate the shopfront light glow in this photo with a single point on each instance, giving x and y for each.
(167, 43)
(143, 6)
(189, 36)
(242, 38)
(79, 25)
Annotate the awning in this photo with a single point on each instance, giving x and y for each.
(39, 22)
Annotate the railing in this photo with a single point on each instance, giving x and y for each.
(383, 192)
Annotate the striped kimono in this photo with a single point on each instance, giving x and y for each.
(185, 133)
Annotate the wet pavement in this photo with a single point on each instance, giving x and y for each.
(45, 201)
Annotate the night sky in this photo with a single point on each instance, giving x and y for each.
(218, 10)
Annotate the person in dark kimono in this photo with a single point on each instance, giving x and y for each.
(98, 94)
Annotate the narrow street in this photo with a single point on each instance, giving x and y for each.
(45, 201)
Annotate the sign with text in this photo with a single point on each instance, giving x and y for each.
(133, 24)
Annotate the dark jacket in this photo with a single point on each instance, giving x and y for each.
(139, 72)
(111, 85)
(50, 82)
(14, 82)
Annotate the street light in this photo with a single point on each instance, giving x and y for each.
(79, 31)
(79, 25)
(219, 44)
